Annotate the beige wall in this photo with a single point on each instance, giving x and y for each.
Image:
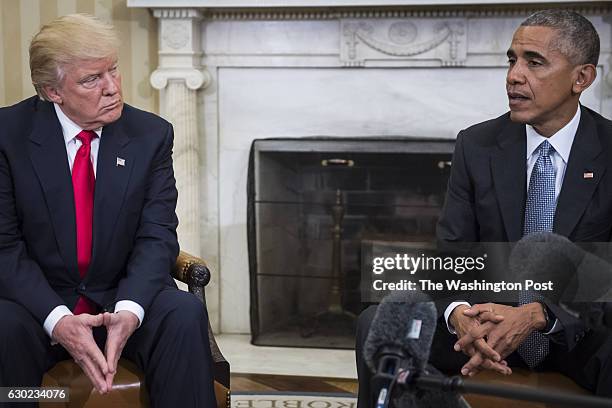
(21, 19)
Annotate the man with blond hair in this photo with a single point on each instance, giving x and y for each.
(88, 228)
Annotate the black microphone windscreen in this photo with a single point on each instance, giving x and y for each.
(582, 279)
(404, 321)
(546, 256)
(593, 280)
(578, 275)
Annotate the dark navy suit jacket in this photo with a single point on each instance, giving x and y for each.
(134, 227)
(487, 190)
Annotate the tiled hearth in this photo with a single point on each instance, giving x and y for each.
(247, 358)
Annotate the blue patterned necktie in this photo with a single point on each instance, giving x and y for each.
(539, 217)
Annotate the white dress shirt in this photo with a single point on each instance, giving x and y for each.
(562, 144)
(70, 131)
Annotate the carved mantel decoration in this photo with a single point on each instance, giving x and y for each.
(443, 41)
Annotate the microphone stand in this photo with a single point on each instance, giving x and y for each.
(407, 378)
(383, 382)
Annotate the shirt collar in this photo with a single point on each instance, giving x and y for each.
(69, 128)
(560, 141)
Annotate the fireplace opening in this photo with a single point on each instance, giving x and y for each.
(315, 206)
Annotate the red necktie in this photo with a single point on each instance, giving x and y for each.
(83, 181)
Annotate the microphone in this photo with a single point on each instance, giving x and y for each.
(400, 339)
(581, 279)
(546, 256)
(404, 325)
(397, 349)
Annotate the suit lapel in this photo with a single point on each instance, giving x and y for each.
(50, 162)
(113, 172)
(577, 190)
(508, 166)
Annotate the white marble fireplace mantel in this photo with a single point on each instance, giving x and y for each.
(231, 71)
(331, 3)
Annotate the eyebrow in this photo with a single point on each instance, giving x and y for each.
(526, 54)
(534, 54)
(85, 78)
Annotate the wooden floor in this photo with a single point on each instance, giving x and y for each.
(266, 382)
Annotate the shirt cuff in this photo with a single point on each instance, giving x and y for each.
(448, 312)
(131, 306)
(557, 327)
(54, 317)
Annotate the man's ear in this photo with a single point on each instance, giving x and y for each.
(52, 94)
(585, 75)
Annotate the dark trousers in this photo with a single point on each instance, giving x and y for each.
(171, 347)
(589, 364)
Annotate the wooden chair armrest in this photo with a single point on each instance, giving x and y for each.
(191, 270)
(223, 395)
(195, 273)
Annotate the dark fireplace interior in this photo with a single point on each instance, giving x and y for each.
(313, 205)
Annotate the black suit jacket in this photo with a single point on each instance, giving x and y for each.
(487, 190)
(134, 226)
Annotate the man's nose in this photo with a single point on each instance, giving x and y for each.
(111, 84)
(515, 74)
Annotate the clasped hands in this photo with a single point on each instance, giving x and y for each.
(75, 334)
(489, 332)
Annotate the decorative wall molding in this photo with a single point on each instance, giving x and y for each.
(177, 13)
(176, 35)
(194, 78)
(264, 4)
(442, 40)
(179, 33)
(405, 12)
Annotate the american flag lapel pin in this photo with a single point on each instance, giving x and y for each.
(120, 162)
(588, 175)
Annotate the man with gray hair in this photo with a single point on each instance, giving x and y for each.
(88, 228)
(544, 166)
(547, 142)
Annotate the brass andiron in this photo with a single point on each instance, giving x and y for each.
(335, 302)
(335, 315)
